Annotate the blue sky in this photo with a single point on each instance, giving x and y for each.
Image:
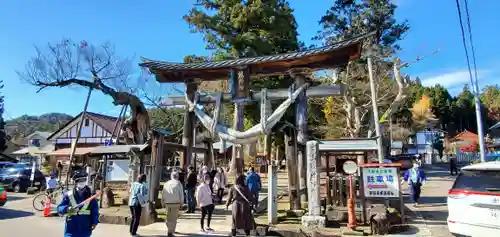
(155, 29)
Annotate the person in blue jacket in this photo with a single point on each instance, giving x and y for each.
(254, 183)
(416, 178)
(80, 220)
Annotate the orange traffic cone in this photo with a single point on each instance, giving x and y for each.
(46, 208)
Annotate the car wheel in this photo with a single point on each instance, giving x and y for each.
(17, 188)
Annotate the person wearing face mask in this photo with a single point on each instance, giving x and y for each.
(81, 220)
(416, 178)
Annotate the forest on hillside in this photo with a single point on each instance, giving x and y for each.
(18, 128)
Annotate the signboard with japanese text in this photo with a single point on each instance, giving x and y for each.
(381, 182)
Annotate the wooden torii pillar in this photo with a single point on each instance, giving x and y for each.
(240, 95)
(189, 126)
(300, 77)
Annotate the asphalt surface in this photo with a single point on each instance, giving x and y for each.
(429, 218)
(18, 219)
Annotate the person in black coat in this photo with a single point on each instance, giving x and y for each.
(191, 182)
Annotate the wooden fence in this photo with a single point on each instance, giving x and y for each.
(338, 189)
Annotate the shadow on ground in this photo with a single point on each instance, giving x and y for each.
(6, 214)
(11, 198)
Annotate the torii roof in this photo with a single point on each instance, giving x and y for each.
(330, 56)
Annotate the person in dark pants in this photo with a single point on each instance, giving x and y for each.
(205, 202)
(191, 182)
(453, 165)
(212, 174)
(59, 170)
(416, 178)
(254, 183)
(220, 183)
(137, 199)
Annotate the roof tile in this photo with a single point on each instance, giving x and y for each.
(152, 64)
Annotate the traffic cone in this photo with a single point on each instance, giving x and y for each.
(47, 208)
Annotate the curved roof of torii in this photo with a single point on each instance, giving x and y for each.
(330, 56)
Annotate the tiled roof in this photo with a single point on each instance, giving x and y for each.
(79, 151)
(465, 135)
(159, 65)
(106, 122)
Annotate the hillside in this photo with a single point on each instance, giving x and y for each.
(22, 126)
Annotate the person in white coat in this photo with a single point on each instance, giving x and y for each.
(220, 183)
(205, 202)
(172, 199)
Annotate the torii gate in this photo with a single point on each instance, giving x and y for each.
(297, 64)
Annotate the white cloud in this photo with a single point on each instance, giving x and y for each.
(453, 79)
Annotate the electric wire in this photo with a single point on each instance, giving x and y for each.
(473, 51)
(475, 85)
(464, 41)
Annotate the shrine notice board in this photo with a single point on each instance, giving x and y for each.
(381, 182)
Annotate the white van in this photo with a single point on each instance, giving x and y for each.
(474, 201)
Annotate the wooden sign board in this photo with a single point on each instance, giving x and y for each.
(240, 85)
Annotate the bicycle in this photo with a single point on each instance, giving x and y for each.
(52, 195)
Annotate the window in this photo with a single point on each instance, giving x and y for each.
(478, 181)
(35, 142)
(87, 122)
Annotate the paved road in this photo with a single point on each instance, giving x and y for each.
(430, 216)
(18, 220)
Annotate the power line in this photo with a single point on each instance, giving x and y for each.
(479, 119)
(473, 51)
(464, 41)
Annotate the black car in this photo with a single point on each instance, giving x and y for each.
(18, 178)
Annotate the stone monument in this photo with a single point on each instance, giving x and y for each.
(272, 200)
(313, 219)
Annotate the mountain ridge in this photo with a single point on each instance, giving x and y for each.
(22, 126)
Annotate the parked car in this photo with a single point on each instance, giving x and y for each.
(3, 196)
(476, 192)
(6, 165)
(406, 160)
(18, 179)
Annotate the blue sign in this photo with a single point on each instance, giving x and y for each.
(108, 142)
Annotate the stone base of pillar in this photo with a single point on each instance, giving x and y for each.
(313, 221)
(148, 215)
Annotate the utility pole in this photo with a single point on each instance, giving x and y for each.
(78, 134)
(479, 119)
(376, 121)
